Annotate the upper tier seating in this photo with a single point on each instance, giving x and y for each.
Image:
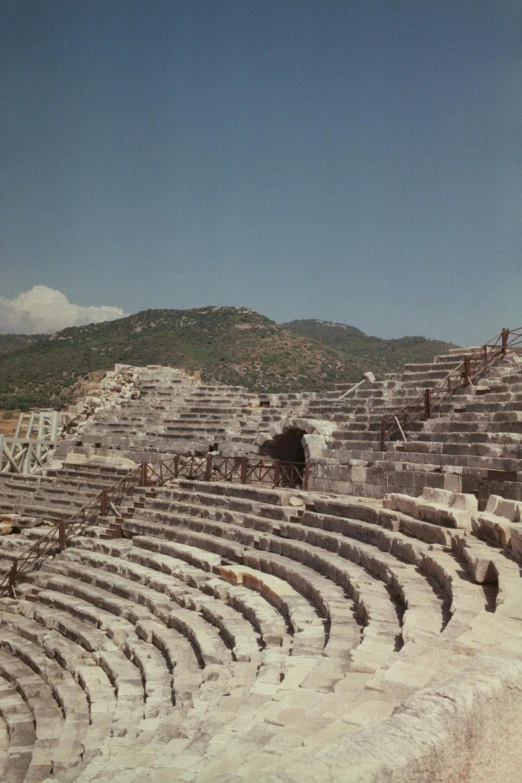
(175, 415)
(472, 442)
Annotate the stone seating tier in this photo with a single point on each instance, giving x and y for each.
(242, 633)
(227, 416)
(239, 633)
(474, 437)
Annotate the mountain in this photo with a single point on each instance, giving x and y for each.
(230, 345)
(379, 355)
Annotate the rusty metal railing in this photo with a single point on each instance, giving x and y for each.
(56, 539)
(474, 366)
(210, 468)
(240, 469)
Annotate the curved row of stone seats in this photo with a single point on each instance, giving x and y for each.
(442, 507)
(17, 734)
(270, 672)
(469, 640)
(289, 528)
(499, 524)
(372, 563)
(148, 643)
(208, 766)
(55, 681)
(307, 618)
(299, 666)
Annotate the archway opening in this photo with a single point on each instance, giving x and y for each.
(287, 447)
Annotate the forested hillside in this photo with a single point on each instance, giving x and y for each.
(379, 355)
(230, 345)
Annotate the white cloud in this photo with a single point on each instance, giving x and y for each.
(44, 309)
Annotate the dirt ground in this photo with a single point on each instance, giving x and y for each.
(8, 426)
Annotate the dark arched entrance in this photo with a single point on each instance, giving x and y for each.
(287, 447)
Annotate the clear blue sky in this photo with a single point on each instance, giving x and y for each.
(356, 161)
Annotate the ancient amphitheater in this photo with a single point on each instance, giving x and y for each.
(212, 586)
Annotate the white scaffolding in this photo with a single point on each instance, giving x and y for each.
(32, 447)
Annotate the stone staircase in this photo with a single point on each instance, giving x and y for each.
(135, 428)
(175, 415)
(472, 443)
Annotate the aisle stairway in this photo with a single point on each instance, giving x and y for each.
(472, 443)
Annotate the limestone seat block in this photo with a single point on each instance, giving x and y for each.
(438, 506)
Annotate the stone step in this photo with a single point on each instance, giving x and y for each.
(19, 721)
(373, 561)
(381, 610)
(138, 604)
(237, 632)
(49, 722)
(184, 561)
(83, 607)
(67, 694)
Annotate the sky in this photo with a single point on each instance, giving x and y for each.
(358, 161)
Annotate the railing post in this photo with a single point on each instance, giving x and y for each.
(467, 371)
(208, 468)
(143, 474)
(505, 338)
(427, 404)
(244, 468)
(61, 534)
(383, 434)
(306, 474)
(104, 502)
(277, 473)
(12, 577)
(176, 465)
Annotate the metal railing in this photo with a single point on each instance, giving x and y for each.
(475, 365)
(210, 468)
(56, 539)
(240, 469)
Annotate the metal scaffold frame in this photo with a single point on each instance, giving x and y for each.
(32, 447)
